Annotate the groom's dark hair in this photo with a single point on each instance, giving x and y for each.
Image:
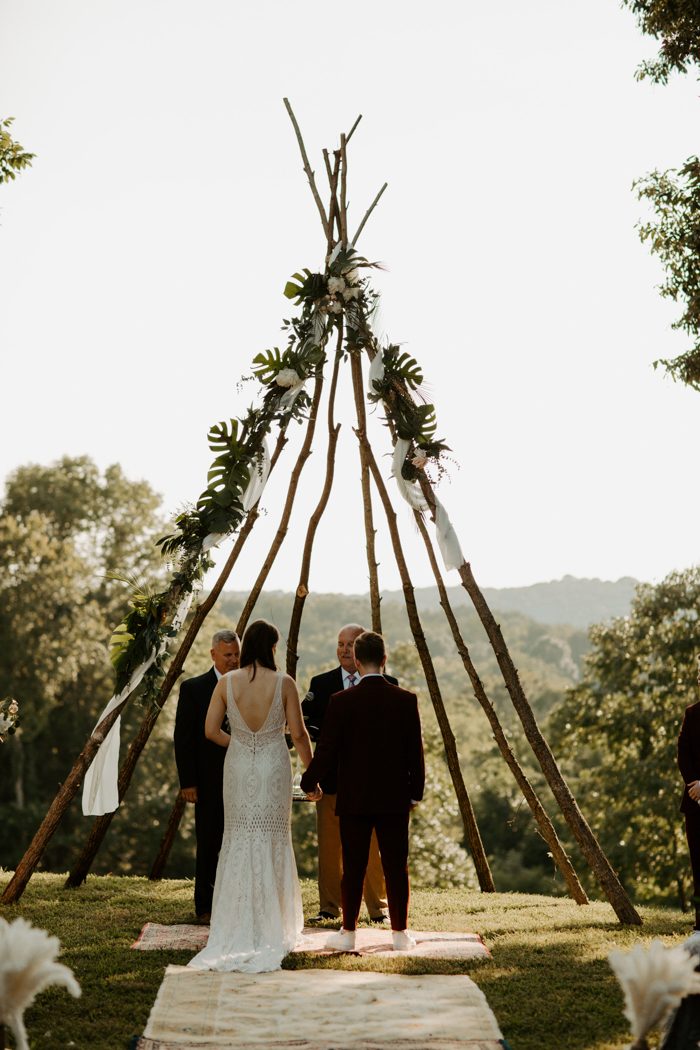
(256, 648)
(370, 648)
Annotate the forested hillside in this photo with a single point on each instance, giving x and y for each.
(609, 709)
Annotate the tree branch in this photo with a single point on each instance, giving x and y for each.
(307, 167)
(371, 208)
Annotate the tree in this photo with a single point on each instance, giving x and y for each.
(675, 238)
(62, 529)
(619, 727)
(675, 194)
(13, 158)
(676, 23)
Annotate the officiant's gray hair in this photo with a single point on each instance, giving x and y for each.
(351, 627)
(225, 636)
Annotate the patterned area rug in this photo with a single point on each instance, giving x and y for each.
(318, 1010)
(430, 944)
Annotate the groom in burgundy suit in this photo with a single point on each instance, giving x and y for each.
(372, 737)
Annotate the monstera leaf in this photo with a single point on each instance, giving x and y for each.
(267, 364)
(306, 285)
(403, 366)
(119, 644)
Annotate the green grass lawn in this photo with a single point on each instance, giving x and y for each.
(548, 982)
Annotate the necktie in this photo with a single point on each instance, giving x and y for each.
(351, 680)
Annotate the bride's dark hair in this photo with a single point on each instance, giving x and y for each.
(256, 647)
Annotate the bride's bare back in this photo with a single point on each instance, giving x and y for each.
(254, 696)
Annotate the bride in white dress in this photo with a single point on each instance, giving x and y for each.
(257, 915)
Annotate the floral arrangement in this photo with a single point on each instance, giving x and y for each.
(9, 718)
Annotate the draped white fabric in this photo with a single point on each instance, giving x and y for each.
(376, 371)
(100, 787)
(447, 539)
(410, 491)
(259, 473)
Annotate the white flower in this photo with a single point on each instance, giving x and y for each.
(335, 284)
(419, 460)
(288, 377)
(335, 307)
(654, 980)
(351, 293)
(27, 966)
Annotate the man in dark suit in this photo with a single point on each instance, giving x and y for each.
(200, 766)
(689, 765)
(372, 738)
(314, 707)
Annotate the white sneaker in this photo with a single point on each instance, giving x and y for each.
(402, 941)
(343, 941)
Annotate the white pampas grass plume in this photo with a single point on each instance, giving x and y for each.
(654, 980)
(27, 966)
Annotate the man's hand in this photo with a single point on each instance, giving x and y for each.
(694, 790)
(315, 796)
(189, 794)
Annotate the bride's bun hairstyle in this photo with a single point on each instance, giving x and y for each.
(257, 645)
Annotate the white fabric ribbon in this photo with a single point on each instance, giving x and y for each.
(290, 396)
(447, 539)
(376, 370)
(100, 787)
(259, 472)
(410, 491)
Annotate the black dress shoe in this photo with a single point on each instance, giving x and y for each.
(379, 920)
(322, 916)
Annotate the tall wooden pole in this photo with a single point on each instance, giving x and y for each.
(370, 531)
(546, 828)
(471, 828)
(590, 847)
(303, 585)
(166, 844)
(295, 476)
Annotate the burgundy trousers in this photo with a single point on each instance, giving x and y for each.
(392, 837)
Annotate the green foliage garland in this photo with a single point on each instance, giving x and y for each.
(339, 296)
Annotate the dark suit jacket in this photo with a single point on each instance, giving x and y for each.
(200, 763)
(314, 707)
(372, 736)
(321, 689)
(689, 753)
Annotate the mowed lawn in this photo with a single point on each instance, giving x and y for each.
(548, 981)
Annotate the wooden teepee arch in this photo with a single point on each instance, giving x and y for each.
(218, 510)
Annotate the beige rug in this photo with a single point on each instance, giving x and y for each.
(318, 1010)
(430, 944)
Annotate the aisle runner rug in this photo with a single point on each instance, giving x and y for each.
(317, 1010)
(429, 945)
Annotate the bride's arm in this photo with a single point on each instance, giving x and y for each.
(215, 716)
(295, 720)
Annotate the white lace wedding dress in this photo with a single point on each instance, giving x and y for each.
(257, 915)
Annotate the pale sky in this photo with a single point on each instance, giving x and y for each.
(142, 259)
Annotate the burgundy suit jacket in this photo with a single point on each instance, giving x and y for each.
(371, 734)
(689, 753)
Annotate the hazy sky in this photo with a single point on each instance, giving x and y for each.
(142, 258)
